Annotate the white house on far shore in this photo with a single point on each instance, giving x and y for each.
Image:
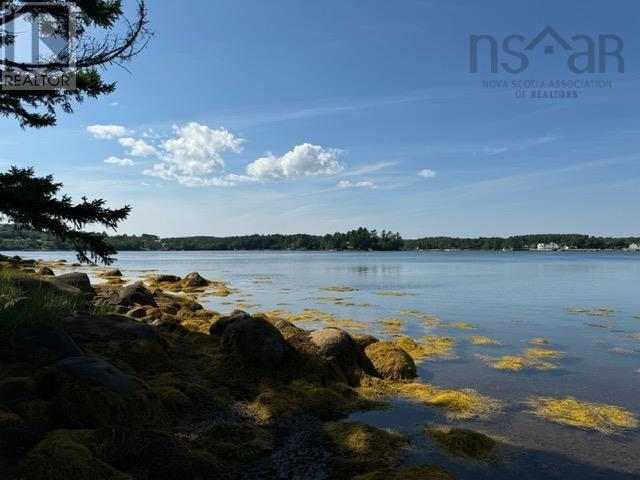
(548, 246)
(634, 247)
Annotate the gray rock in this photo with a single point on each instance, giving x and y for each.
(94, 371)
(194, 279)
(332, 342)
(114, 272)
(45, 272)
(337, 344)
(137, 293)
(85, 328)
(76, 280)
(256, 341)
(219, 327)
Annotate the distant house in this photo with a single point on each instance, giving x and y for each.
(548, 246)
(634, 247)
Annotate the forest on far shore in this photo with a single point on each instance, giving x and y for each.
(358, 239)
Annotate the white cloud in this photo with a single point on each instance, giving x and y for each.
(123, 162)
(426, 173)
(165, 172)
(197, 149)
(107, 132)
(137, 148)
(304, 160)
(348, 184)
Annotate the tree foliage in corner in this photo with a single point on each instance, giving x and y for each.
(34, 202)
(37, 108)
(31, 202)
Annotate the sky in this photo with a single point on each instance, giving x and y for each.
(300, 116)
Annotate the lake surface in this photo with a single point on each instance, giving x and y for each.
(509, 296)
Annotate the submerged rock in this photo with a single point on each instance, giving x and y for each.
(464, 442)
(390, 361)
(137, 293)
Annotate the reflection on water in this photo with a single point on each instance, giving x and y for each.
(511, 297)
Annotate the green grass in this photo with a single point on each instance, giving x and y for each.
(41, 305)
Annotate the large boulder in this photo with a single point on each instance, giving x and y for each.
(75, 279)
(137, 293)
(101, 328)
(332, 342)
(93, 371)
(336, 344)
(45, 272)
(223, 322)
(194, 279)
(390, 361)
(256, 341)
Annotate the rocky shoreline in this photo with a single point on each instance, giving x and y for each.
(139, 381)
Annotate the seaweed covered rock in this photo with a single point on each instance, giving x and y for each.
(464, 442)
(137, 293)
(85, 328)
(194, 279)
(85, 392)
(419, 472)
(15, 390)
(222, 323)
(390, 361)
(16, 436)
(256, 341)
(68, 455)
(361, 447)
(94, 371)
(153, 454)
(75, 279)
(41, 344)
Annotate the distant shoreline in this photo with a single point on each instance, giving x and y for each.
(360, 239)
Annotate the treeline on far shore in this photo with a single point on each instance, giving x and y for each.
(12, 238)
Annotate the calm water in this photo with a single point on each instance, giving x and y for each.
(510, 296)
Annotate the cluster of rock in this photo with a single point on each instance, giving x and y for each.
(111, 371)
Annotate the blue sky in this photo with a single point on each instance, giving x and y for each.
(319, 116)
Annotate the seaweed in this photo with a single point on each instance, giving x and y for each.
(603, 418)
